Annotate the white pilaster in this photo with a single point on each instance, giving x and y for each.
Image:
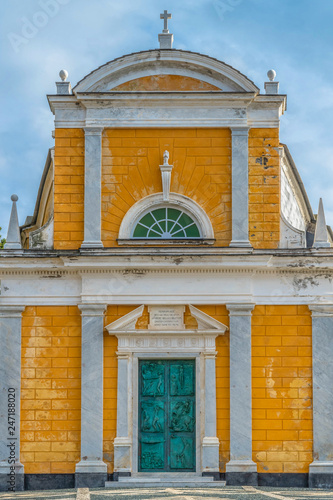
(92, 390)
(92, 187)
(210, 443)
(10, 398)
(321, 469)
(123, 441)
(240, 187)
(240, 390)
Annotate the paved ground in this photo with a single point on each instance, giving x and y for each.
(225, 493)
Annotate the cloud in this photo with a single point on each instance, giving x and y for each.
(251, 35)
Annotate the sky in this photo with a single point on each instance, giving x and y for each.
(38, 38)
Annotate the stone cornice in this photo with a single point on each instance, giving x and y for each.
(150, 341)
(134, 65)
(90, 309)
(138, 261)
(321, 310)
(11, 311)
(167, 264)
(167, 251)
(135, 271)
(240, 309)
(190, 109)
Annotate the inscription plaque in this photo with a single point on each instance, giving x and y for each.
(166, 317)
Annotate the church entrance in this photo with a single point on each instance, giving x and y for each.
(167, 415)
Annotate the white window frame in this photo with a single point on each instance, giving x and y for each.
(154, 201)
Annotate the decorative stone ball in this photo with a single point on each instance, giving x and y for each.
(271, 75)
(14, 197)
(63, 75)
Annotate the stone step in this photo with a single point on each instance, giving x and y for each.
(190, 483)
(158, 479)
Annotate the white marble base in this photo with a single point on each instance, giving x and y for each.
(210, 454)
(91, 466)
(11, 476)
(122, 455)
(92, 244)
(241, 466)
(241, 243)
(5, 467)
(321, 468)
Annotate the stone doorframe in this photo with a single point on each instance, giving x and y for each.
(160, 343)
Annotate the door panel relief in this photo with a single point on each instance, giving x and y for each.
(167, 415)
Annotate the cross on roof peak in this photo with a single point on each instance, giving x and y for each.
(166, 16)
(165, 38)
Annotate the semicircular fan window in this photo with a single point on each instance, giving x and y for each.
(166, 223)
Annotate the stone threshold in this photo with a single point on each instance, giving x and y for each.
(146, 480)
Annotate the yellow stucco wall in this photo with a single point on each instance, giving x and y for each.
(282, 388)
(202, 171)
(51, 389)
(68, 188)
(165, 83)
(264, 188)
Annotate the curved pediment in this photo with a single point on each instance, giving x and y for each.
(165, 83)
(165, 70)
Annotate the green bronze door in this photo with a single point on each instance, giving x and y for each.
(167, 415)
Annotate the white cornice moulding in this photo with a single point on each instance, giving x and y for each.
(240, 308)
(154, 62)
(321, 310)
(92, 309)
(167, 109)
(125, 323)
(206, 322)
(11, 311)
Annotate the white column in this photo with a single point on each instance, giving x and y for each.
(123, 441)
(241, 467)
(321, 469)
(210, 443)
(11, 470)
(91, 470)
(92, 187)
(240, 187)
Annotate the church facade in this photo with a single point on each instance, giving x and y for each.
(168, 308)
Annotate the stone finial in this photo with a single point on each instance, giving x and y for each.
(272, 87)
(321, 235)
(166, 170)
(165, 38)
(13, 241)
(63, 75)
(271, 75)
(63, 87)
